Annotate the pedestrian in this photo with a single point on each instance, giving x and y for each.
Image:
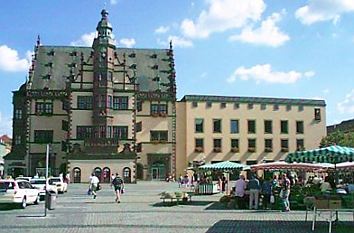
(240, 187)
(266, 192)
(118, 185)
(254, 188)
(285, 192)
(94, 183)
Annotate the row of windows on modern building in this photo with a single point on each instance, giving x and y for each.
(251, 126)
(252, 145)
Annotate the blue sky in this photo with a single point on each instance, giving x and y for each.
(277, 48)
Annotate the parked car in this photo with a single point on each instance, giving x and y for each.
(24, 178)
(58, 181)
(19, 192)
(40, 184)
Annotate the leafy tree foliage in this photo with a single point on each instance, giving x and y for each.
(338, 138)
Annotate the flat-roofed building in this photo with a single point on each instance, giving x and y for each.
(246, 129)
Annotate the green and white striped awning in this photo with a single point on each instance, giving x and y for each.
(225, 166)
(330, 154)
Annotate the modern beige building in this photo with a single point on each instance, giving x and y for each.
(245, 129)
(102, 109)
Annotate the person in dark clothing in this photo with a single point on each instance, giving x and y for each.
(118, 185)
(266, 192)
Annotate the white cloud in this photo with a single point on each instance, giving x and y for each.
(10, 60)
(85, 40)
(347, 105)
(223, 15)
(127, 42)
(324, 10)
(113, 2)
(5, 125)
(162, 30)
(264, 73)
(267, 34)
(309, 74)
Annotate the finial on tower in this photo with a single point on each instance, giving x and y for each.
(171, 45)
(104, 14)
(38, 41)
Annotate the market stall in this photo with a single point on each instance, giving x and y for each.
(225, 167)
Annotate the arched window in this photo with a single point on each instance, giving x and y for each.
(77, 175)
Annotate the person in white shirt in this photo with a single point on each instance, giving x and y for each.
(94, 182)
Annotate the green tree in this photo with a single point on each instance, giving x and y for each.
(338, 138)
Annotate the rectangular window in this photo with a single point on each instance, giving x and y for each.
(217, 145)
(158, 136)
(102, 131)
(300, 108)
(65, 105)
(217, 125)
(268, 145)
(209, 104)
(300, 144)
(268, 127)
(83, 132)
(158, 109)
(139, 106)
(236, 105)
(199, 125)
(103, 101)
(199, 145)
(84, 102)
(44, 108)
(299, 127)
(64, 146)
(139, 126)
(139, 147)
(109, 132)
(18, 114)
(120, 132)
(249, 106)
(288, 107)
(251, 145)
(284, 127)
(263, 106)
(43, 136)
(64, 125)
(276, 107)
(284, 145)
(234, 126)
(120, 102)
(110, 102)
(317, 114)
(194, 104)
(110, 76)
(251, 126)
(235, 147)
(17, 140)
(222, 105)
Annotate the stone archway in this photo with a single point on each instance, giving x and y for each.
(127, 175)
(77, 175)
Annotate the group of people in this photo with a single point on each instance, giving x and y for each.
(117, 184)
(266, 189)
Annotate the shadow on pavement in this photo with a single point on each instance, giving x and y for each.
(174, 203)
(241, 226)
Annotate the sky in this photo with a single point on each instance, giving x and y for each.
(263, 48)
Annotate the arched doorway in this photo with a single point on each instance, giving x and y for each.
(98, 173)
(158, 171)
(106, 177)
(77, 175)
(127, 175)
(139, 171)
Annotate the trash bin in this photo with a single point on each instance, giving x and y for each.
(51, 200)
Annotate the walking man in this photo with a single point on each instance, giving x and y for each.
(118, 185)
(254, 192)
(240, 187)
(94, 182)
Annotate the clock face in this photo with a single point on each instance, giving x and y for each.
(103, 54)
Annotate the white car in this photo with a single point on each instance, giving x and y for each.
(24, 178)
(40, 183)
(19, 192)
(58, 181)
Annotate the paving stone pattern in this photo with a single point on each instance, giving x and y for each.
(141, 211)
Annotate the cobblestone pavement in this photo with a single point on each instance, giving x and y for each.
(141, 211)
